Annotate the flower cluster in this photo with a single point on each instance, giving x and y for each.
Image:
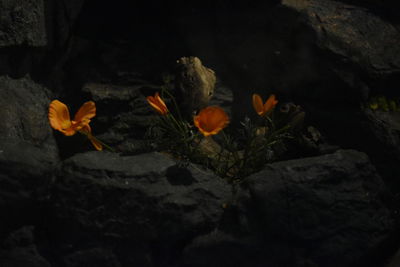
(210, 120)
(229, 154)
(225, 156)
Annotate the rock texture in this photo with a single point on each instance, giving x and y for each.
(356, 39)
(123, 114)
(195, 84)
(319, 211)
(19, 249)
(28, 152)
(24, 107)
(26, 171)
(142, 208)
(146, 199)
(385, 127)
(148, 210)
(22, 23)
(382, 133)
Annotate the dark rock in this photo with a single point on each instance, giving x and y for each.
(385, 127)
(25, 173)
(22, 35)
(330, 204)
(28, 151)
(92, 257)
(395, 261)
(222, 249)
(361, 45)
(382, 141)
(36, 37)
(320, 211)
(24, 107)
(123, 114)
(383, 8)
(223, 97)
(22, 23)
(373, 132)
(144, 198)
(19, 250)
(324, 52)
(61, 17)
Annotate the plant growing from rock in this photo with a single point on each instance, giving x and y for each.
(231, 154)
(60, 120)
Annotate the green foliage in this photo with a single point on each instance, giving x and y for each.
(383, 103)
(232, 153)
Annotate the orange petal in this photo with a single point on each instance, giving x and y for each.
(59, 116)
(84, 114)
(161, 103)
(270, 103)
(69, 132)
(211, 120)
(157, 104)
(258, 105)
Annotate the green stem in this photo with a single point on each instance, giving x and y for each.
(174, 101)
(234, 152)
(180, 127)
(197, 144)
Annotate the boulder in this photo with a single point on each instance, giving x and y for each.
(319, 211)
(148, 200)
(381, 131)
(24, 107)
(26, 173)
(385, 128)
(28, 151)
(358, 46)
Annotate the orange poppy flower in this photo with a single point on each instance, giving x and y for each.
(157, 104)
(60, 120)
(211, 120)
(261, 108)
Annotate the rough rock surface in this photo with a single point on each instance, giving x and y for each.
(22, 22)
(18, 249)
(356, 38)
(382, 141)
(25, 172)
(123, 114)
(61, 17)
(385, 127)
(24, 106)
(101, 257)
(195, 83)
(28, 151)
(319, 211)
(147, 198)
(106, 210)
